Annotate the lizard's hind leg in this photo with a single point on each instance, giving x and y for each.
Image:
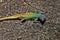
(23, 20)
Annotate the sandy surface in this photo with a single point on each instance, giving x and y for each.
(15, 30)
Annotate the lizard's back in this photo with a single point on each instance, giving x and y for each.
(29, 15)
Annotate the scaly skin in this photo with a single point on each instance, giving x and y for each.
(27, 15)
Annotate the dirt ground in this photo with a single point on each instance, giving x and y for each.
(15, 30)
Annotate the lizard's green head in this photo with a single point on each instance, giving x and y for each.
(42, 18)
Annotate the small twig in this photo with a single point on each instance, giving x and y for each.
(25, 3)
(1, 1)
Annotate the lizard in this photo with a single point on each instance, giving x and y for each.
(27, 16)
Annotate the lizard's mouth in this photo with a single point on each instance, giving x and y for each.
(42, 19)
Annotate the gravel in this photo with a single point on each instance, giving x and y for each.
(15, 30)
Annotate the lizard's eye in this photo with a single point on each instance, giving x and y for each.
(42, 19)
